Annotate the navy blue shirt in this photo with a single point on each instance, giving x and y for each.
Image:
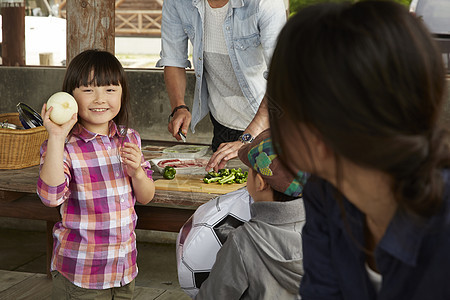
(413, 256)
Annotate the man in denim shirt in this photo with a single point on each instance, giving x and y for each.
(233, 41)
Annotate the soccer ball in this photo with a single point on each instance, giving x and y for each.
(204, 233)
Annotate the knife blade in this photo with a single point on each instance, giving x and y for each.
(183, 137)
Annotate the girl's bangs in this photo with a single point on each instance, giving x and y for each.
(100, 74)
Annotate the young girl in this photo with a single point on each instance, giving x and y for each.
(358, 91)
(93, 168)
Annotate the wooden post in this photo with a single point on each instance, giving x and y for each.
(13, 33)
(46, 59)
(90, 25)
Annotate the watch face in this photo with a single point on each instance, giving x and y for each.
(247, 138)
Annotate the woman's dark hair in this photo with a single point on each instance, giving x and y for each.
(369, 77)
(99, 68)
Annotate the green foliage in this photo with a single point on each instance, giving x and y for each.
(296, 5)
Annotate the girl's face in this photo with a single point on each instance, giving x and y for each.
(97, 105)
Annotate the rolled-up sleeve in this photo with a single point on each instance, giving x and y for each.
(174, 39)
(53, 195)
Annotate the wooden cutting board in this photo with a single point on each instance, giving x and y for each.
(194, 183)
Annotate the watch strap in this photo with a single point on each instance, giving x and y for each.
(176, 109)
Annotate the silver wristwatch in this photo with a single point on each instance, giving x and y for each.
(246, 138)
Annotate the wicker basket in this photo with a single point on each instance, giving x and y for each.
(20, 148)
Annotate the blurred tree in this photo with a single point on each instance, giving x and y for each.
(295, 5)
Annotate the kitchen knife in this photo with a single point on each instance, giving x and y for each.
(183, 137)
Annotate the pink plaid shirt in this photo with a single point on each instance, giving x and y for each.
(94, 243)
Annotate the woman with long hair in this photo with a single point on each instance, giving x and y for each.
(355, 96)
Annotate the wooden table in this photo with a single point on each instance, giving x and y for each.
(168, 211)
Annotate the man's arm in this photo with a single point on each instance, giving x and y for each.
(261, 120)
(174, 59)
(227, 151)
(175, 79)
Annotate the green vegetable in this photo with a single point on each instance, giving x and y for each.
(211, 179)
(224, 172)
(241, 180)
(226, 176)
(213, 174)
(169, 172)
(227, 179)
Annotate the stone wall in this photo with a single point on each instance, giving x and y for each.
(150, 103)
(149, 100)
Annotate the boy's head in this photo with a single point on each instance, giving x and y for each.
(260, 156)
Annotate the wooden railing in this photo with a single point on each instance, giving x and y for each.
(138, 22)
(132, 21)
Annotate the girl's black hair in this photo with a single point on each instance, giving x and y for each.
(99, 68)
(369, 77)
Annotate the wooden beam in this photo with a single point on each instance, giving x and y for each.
(13, 33)
(119, 2)
(161, 218)
(8, 196)
(90, 25)
(29, 207)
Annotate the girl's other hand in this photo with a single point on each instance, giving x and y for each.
(53, 129)
(131, 158)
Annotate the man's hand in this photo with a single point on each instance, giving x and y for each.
(175, 79)
(227, 151)
(224, 153)
(181, 119)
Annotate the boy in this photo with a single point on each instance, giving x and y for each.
(262, 259)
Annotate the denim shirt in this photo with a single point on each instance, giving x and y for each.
(251, 28)
(412, 256)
